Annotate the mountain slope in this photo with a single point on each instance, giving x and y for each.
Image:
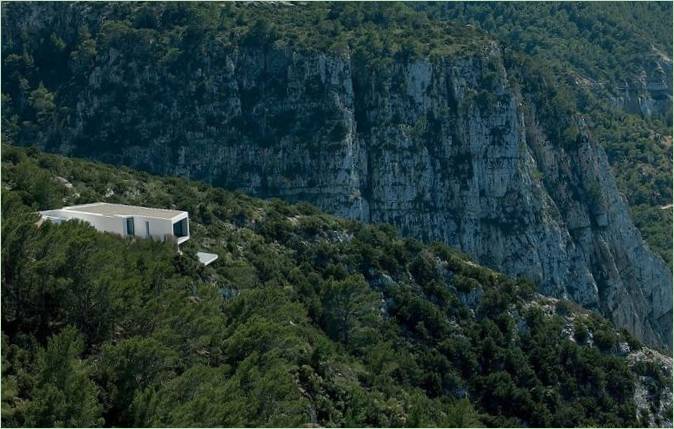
(615, 61)
(305, 319)
(621, 52)
(370, 112)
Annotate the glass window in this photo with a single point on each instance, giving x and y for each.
(129, 226)
(180, 228)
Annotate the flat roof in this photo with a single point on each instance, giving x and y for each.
(109, 209)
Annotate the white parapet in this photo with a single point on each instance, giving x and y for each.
(206, 258)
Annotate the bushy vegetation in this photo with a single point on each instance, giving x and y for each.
(605, 42)
(305, 318)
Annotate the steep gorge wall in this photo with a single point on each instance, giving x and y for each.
(446, 149)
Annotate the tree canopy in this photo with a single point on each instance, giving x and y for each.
(304, 319)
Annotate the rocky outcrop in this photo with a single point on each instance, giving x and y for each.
(445, 149)
(654, 403)
(648, 93)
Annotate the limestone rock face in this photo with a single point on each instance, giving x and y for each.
(445, 149)
(650, 92)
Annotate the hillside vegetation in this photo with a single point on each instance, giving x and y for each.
(607, 42)
(304, 319)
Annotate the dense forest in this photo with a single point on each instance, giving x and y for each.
(304, 319)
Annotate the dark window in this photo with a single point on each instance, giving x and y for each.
(129, 226)
(180, 228)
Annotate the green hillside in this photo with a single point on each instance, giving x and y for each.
(602, 41)
(304, 319)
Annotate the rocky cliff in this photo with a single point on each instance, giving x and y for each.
(445, 147)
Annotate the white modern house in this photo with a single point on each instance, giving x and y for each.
(127, 221)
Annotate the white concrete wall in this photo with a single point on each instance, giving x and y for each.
(158, 227)
(113, 224)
